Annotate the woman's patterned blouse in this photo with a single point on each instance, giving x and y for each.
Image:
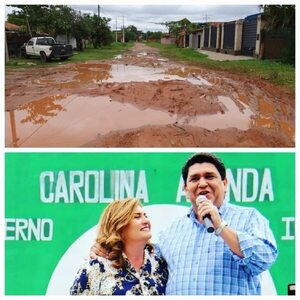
(99, 277)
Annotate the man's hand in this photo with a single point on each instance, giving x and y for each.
(206, 207)
(96, 251)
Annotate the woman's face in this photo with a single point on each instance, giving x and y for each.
(139, 228)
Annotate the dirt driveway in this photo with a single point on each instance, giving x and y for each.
(141, 99)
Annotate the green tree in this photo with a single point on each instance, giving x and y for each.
(152, 35)
(62, 19)
(81, 29)
(100, 32)
(131, 33)
(34, 17)
(279, 16)
(182, 26)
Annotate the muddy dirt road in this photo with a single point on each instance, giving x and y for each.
(141, 99)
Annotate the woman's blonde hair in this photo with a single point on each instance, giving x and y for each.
(115, 217)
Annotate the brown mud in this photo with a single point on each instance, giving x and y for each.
(141, 99)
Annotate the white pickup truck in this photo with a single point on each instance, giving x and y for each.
(46, 48)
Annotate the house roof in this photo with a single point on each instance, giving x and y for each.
(11, 26)
(215, 23)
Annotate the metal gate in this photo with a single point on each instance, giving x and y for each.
(213, 37)
(229, 35)
(187, 40)
(249, 35)
(206, 36)
(199, 41)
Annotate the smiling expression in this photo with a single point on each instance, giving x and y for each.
(139, 228)
(204, 179)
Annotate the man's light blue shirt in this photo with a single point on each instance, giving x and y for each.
(200, 263)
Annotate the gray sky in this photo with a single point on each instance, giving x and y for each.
(144, 17)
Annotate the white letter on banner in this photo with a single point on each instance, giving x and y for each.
(142, 191)
(10, 229)
(43, 196)
(34, 229)
(88, 195)
(235, 186)
(126, 184)
(288, 221)
(21, 224)
(45, 222)
(75, 186)
(266, 186)
(61, 190)
(116, 183)
(245, 197)
(102, 198)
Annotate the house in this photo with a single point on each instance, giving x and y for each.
(196, 38)
(251, 35)
(167, 39)
(231, 37)
(212, 36)
(66, 39)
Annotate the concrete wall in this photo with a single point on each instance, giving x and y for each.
(168, 40)
(62, 38)
(218, 45)
(238, 37)
(260, 27)
(191, 41)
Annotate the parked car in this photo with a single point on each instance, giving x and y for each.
(46, 48)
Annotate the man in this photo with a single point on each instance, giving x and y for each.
(230, 260)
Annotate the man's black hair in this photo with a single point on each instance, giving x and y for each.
(203, 158)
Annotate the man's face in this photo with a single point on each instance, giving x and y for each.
(204, 179)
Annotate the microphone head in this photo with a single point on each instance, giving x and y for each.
(200, 198)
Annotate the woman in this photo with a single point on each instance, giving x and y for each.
(131, 266)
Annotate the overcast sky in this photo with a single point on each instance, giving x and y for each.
(145, 17)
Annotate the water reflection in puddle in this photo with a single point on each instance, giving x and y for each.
(123, 73)
(77, 120)
(98, 73)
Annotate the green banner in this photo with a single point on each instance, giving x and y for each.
(53, 202)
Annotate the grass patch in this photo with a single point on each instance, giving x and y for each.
(89, 53)
(270, 70)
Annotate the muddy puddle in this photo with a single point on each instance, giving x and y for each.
(71, 121)
(123, 73)
(71, 105)
(101, 73)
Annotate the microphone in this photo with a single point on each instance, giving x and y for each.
(207, 221)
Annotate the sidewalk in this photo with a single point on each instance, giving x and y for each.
(221, 56)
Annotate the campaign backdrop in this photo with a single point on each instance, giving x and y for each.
(53, 202)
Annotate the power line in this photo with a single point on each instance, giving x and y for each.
(206, 17)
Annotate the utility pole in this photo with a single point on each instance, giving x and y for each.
(116, 30)
(98, 10)
(123, 38)
(28, 26)
(206, 17)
